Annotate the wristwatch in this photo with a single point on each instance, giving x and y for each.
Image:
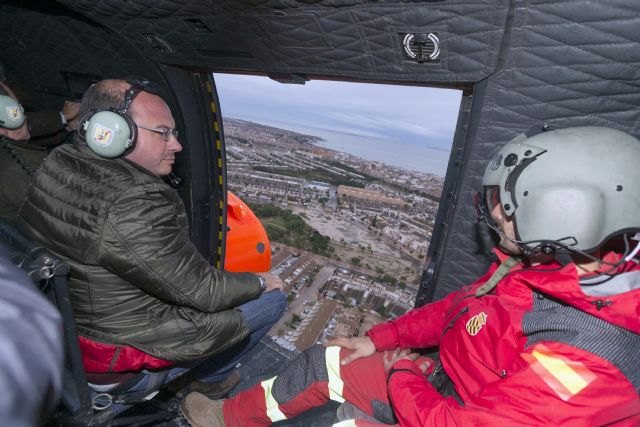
(263, 283)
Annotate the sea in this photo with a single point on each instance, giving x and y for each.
(405, 155)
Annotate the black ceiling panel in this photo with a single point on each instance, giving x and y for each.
(526, 63)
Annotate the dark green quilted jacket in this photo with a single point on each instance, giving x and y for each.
(136, 278)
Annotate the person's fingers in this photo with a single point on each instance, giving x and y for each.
(361, 347)
(424, 366)
(339, 342)
(386, 361)
(403, 353)
(391, 357)
(350, 358)
(412, 356)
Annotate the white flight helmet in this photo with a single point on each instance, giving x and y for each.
(571, 188)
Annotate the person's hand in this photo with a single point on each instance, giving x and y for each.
(425, 363)
(391, 357)
(360, 346)
(272, 281)
(70, 112)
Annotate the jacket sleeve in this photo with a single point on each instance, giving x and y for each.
(421, 327)
(552, 384)
(145, 242)
(418, 328)
(44, 123)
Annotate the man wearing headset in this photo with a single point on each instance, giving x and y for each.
(550, 335)
(143, 296)
(23, 144)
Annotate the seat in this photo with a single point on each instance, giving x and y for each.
(81, 404)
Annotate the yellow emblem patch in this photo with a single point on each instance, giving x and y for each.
(14, 113)
(476, 323)
(102, 135)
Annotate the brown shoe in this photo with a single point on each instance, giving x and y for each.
(200, 411)
(215, 390)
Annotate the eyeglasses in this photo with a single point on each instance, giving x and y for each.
(166, 133)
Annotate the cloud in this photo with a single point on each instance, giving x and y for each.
(385, 125)
(417, 115)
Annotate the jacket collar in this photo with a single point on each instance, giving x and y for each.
(85, 150)
(563, 283)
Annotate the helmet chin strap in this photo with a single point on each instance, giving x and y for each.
(561, 249)
(543, 247)
(635, 251)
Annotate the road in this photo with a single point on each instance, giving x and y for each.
(306, 293)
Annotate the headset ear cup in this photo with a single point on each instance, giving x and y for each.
(133, 134)
(83, 124)
(11, 113)
(109, 133)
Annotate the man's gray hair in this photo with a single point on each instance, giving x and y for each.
(102, 95)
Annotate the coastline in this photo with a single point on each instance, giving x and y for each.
(407, 156)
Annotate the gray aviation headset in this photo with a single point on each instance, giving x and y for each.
(567, 190)
(12, 117)
(11, 112)
(112, 133)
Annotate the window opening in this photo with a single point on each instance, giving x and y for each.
(346, 179)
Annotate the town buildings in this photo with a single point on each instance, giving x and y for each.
(379, 220)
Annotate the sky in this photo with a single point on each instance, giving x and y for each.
(405, 114)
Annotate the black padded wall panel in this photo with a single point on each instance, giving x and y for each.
(41, 44)
(525, 62)
(572, 63)
(343, 39)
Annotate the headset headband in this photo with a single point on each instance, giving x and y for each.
(129, 96)
(112, 132)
